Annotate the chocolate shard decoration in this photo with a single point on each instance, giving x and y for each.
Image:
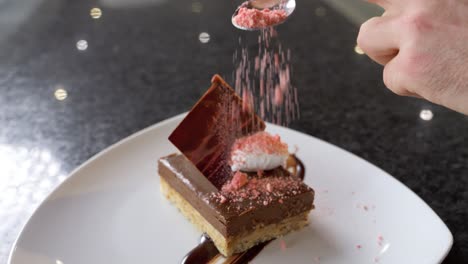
(207, 132)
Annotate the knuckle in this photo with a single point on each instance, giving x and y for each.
(417, 23)
(415, 63)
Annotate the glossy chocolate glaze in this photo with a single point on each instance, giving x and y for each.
(206, 251)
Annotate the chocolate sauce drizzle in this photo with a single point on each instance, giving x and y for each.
(300, 169)
(206, 251)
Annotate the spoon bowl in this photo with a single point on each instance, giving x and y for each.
(284, 7)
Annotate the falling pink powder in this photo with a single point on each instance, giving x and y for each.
(255, 18)
(358, 246)
(264, 79)
(247, 101)
(278, 96)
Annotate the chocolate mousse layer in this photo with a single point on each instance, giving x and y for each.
(264, 199)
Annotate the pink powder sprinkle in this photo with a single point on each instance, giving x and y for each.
(380, 240)
(282, 245)
(317, 259)
(271, 68)
(269, 189)
(260, 173)
(358, 246)
(276, 57)
(247, 102)
(254, 18)
(366, 208)
(262, 142)
(223, 199)
(353, 193)
(238, 180)
(376, 259)
(278, 100)
(280, 201)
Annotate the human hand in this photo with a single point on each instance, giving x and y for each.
(423, 45)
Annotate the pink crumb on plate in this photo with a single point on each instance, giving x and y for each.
(255, 18)
(282, 245)
(380, 240)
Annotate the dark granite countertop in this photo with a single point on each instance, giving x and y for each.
(71, 85)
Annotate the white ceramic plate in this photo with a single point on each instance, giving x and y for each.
(110, 211)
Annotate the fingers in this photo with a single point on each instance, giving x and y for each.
(396, 80)
(379, 39)
(389, 4)
(385, 4)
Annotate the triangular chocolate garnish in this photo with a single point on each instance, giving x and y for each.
(206, 134)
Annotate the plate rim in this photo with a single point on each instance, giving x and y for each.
(180, 116)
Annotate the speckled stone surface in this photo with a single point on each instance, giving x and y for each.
(144, 63)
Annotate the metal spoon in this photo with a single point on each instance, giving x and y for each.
(287, 5)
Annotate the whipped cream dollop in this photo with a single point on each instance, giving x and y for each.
(258, 152)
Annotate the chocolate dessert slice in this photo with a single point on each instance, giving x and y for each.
(242, 208)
